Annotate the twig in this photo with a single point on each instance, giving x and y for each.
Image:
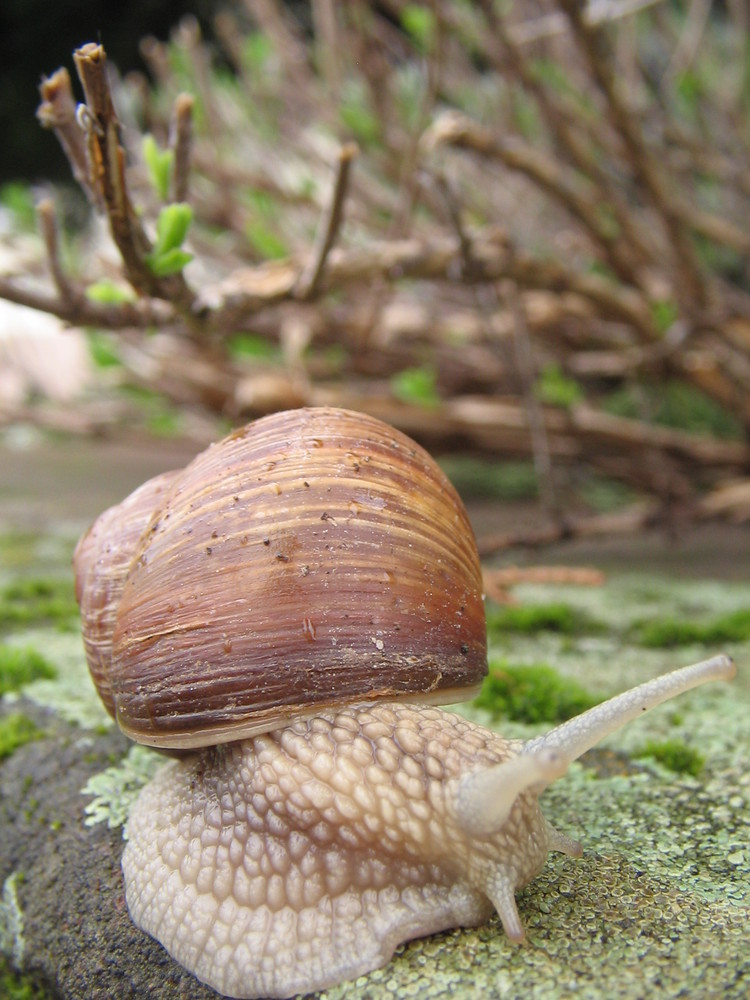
(498, 581)
(58, 112)
(188, 36)
(690, 39)
(250, 290)
(181, 143)
(79, 311)
(328, 45)
(288, 44)
(309, 280)
(107, 176)
(408, 176)
(451, 208)
(48, 223)
(525, 365)
(547, 25)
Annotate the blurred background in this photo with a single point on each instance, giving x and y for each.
(517, 231)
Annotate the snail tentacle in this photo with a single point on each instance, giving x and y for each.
(485, 798)
(578, 735)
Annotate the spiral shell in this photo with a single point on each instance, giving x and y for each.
(312, 558)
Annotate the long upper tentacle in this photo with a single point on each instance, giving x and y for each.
(574, 737)
(485, 798)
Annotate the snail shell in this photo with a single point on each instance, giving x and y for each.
(313, 558)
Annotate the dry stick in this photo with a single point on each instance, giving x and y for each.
(692, 284)
(367, 44)
(408, 181)
(107, 166)
(539, 440)
(452, 210)
(405, 167)
(716, 229)
(156, 56)
(143, 315)
(58, 112)
(181, 143)
(48, 223)
(690, 39)
(739, 16)
(251, 290)
(328, 46)
(309, 280)
(189, 39)
(288, 45)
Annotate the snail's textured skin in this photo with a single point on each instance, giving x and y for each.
(303, 857)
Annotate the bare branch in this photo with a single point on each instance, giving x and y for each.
(48, 223)
(58, 112)
(181, 143)
(626, 250)
(525, 363)
(328, 44)
(309, 280)
(107, 177)
(79, 311)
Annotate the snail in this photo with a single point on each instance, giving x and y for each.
(284, 616)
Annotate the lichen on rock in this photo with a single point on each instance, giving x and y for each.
(11, 921)
(116, 788)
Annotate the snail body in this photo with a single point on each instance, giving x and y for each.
(311, 832)
(349, 844)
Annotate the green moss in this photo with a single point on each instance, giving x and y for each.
(37, 600)
(16, 987)
(534, 693)
(16, 730)
(664, 632)
(674, 755)
(20, 665)
(531, 618)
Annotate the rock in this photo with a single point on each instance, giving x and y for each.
(77, 938)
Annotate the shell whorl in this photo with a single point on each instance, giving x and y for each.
(312, 558)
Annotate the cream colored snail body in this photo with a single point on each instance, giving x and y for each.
(291, 606)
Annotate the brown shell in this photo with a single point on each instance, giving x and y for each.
(102, 559)
(314, 557)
